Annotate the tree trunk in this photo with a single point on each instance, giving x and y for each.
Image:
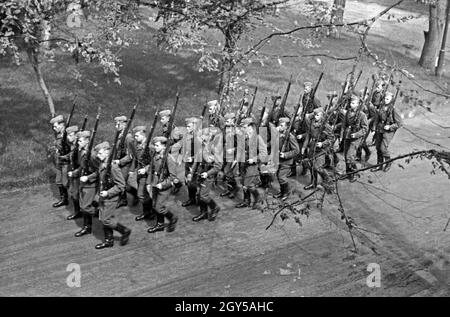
(32, 56)
(441, 60)
(337, 15)
(433, 36)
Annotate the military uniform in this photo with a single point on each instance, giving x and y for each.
(111, 181)
(318, 131)
(253, 148)
(386, 115)
(356, 127)
(60, 147)
(229, 167)
(160, 197)
(290, 152)
(72, 159)
(210, 163)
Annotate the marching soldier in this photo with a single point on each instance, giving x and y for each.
(60, 148)
(370, 111)
(73, 163)
(214, 118)
(377, 96)
(387, 122)
(190, 143)
(124, 155)
(355, 128)
(318, 141)
(286, 157)
(307, 101)
(87, 173)
(158, 185)
(142, 161)
(111, 185)
(207, 169)
(276, 113)
(253, 153)
(230, 163)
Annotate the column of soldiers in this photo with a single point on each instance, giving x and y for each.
(236, 149)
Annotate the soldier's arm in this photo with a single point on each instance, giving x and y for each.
(119, 182)
(262, 149)
(131, 151)
(295, 149)
(328, 137)
(363, 126)
(398, 121)
(166, 183)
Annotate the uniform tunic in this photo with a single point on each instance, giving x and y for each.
(386, 115)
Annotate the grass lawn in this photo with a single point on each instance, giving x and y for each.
(153, 76)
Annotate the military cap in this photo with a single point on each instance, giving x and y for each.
(212, 103)
(72, 129)
(139, 128)
(192, 120)
(275, 97)
(318, 110)
(84, 134)
(161, 139)
(308, 84)
(165, 113)
(102, 146)
(284, 119)
(57, 119)
(230, 115)
(120, 119)
(247, 121)
(389, 93)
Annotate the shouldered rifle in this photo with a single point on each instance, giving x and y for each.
(87, 158)
(241, 106)
(357, 79)
(146, 154)
(261, 116)
(121, 144)
(286, 94)
(107, 181)
(65, 146)
(83, 126)
(287, 133)
(250, 108)
(314, 91)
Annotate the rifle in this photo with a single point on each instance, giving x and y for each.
(166, 151)
(270, 114)
(83, 126)
(250, 108)
(261, 116)
(283, 102)
(239, 116)
(357, 79)
(64, 146)
(291, 124)
(107, 181)
(85, 163)
(121, 144)
(146, 153)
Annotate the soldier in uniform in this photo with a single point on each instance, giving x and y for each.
(230, 163)
(86, 171)
(142, 161)
(355, 128)
(387, 122)
(207, 169)
(307, 101)
(318, 141)
(251, 153)
(71, 159)
(159, 181)
(214, 118)
(287, 156)
(60, 148)
(124, 156)
(111, 185)
(370, 110)
(190, 142)
(377, 96)
(276, 113)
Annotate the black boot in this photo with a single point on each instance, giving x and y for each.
(146, 212)
(284, 191)
(125, 232)
(387, 166)
(293, 171)
(304, 169)
(172, 221)
(87, 225)
(109, 239)
(159, 226)
(203, 212)
(379, 161)
(191, 200)
(76, 210)
(368, 152)
(246, 201)
(256, 197)
(214, 210)
(64, 200)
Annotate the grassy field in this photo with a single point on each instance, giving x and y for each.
(153, 76)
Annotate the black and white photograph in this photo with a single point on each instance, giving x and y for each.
(224, 154)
